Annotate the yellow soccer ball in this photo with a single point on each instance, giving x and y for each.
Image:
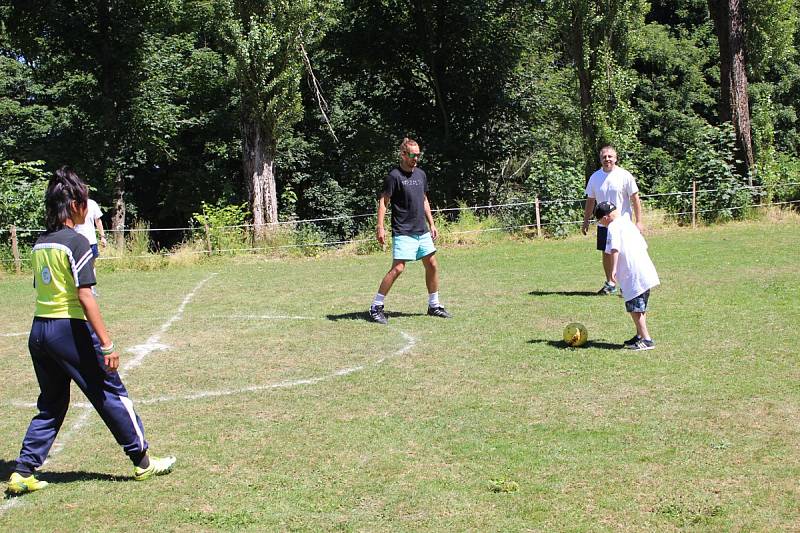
(575, 334)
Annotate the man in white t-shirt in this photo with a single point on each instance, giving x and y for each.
(632, 267)
(93, 223)
(613, 184)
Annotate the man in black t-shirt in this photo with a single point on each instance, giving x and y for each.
(405, 189)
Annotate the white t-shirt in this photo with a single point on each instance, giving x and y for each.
(616, 187)
(635, 271)
(87, 229)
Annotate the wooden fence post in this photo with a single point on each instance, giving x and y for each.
(208, 237)
(694, 203)
(15, 250)
(538, 219)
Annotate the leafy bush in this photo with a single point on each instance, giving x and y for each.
(225, 226)
(779, 174)
(560, 189)
(710, 161)
(22, 187)
(468, 228)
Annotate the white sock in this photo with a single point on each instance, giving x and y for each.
(433, 299)
(378, 299)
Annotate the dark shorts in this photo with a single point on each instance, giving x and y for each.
(95, 251)
(639, 303)
(602, 237)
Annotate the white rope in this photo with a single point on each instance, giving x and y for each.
(166, 254)
(441, 210)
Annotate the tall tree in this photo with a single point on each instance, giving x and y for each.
(729, 25)
(269, 40)
(598, 37)
(92, 53)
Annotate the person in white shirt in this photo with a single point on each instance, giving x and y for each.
(93, 222)
(613, 184)
(633, 268)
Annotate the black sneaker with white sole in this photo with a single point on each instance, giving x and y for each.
(376, 314)
(439, 311)
(642, 344)
(630, 342)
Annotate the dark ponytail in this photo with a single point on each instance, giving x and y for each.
(65, 187)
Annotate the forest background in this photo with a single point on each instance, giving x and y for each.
(245, 111)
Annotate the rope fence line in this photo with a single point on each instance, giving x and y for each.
(441, 210)
(265, 248)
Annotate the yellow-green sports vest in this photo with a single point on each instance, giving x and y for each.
(62, 261)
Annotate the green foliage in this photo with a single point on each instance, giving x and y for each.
(771, 26)
(710, 162)
(22, 187)
(223, 226)
(469, 227)
(560, 189)
(490, 88)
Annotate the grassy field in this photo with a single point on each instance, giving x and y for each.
(288, 411)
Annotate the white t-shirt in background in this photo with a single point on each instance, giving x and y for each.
(635, 270)
(87, 229)
(616, 187)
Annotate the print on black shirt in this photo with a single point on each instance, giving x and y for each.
(407, 193)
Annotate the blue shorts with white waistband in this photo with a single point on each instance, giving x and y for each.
(412, 247)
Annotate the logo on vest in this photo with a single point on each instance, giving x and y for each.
(46, 276)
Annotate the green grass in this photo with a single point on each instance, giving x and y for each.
(485, 424)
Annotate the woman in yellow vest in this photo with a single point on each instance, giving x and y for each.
(69, 342)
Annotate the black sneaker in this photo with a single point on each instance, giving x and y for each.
(439, 311)
(376, 314)
(607, 289)
(630, 342)
(642, 344)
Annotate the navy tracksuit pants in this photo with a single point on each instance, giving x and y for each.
(63, 350)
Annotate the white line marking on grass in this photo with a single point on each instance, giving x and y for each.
(8, 504)
(141, 351)
(408, 346)
(154, 342)
(13, 334)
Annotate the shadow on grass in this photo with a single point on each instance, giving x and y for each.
(364, 315)
(590, 344)
(562, 293)
(7, 468)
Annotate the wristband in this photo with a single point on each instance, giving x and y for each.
(107, 350)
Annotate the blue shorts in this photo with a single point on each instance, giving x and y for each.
(412, 247)
(639, 303)
(95, 250)
(602, 237)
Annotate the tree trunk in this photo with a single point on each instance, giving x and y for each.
(118, 219)
(108, 79)
(734, 105)
(578, 49)
(258, 160)
(433, 65)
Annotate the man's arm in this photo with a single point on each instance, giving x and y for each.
(587, 214)
(429, 218)
(637, 211)
(99, 224)
(380, 232)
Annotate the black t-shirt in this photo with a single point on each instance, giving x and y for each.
(407, 193)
